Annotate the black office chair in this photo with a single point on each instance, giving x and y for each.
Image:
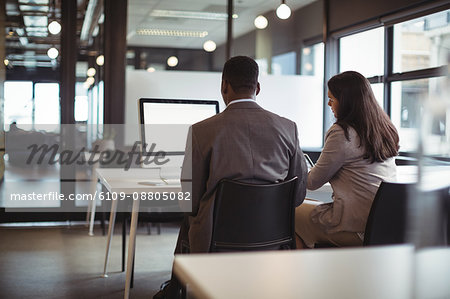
(253, 217)
(387, 221)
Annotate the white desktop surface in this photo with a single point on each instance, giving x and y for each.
(377, 272)
(133, 180)
(405, 174)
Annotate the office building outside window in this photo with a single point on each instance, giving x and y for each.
(420, 44)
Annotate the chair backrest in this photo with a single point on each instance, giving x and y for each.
(386, 223)
(254, 217)
(391, 207)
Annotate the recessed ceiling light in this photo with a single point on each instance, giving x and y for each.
(169, 32)
(190, 14)
(35, 21)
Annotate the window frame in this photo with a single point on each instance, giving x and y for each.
(332, 53)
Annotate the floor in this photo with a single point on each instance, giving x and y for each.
(60, 260)
(64, 262)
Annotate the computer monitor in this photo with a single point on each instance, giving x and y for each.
(165, 124)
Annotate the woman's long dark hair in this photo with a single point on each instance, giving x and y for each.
(359, 109)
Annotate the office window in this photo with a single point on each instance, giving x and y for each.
(284, 64)
(422, 43)
(312, 63)
(47, 107)
(408, 99)
(18, 103)
(378, 91)
(363, 52)
(81, 109)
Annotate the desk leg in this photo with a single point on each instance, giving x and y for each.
(124, 236)
(93, 203)
(112, 220)
(91, 223)
(131, 247)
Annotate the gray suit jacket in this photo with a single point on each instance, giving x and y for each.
(245, 143)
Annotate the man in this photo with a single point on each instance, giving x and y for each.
(244, 143)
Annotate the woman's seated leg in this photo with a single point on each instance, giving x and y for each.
(312, 233)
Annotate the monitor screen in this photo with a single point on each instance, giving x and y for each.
(165, 122)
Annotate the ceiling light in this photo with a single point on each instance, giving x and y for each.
(167, 32)
(95, 31)
(54, 27)
(191, 15)
(33, 8)
(35, 21)
(172, 61)
(91, 72)
(151, 69)
(100, 60)
(23, 40)
(209, 46)
(261, 22)
(90, 80)
(283, 11)
(52, 53)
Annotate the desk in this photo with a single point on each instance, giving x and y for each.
(118, 180)
(405, 174)
(377, 272)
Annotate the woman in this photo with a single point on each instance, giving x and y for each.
(358, 154)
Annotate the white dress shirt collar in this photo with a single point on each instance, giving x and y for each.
(240, 101)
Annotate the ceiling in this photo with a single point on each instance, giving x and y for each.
(27, 38)
(140, 16)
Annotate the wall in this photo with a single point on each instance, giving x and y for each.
(299, 99)
(243, 45)
(342, 11)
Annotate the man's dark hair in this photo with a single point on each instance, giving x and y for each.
(242, 73)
